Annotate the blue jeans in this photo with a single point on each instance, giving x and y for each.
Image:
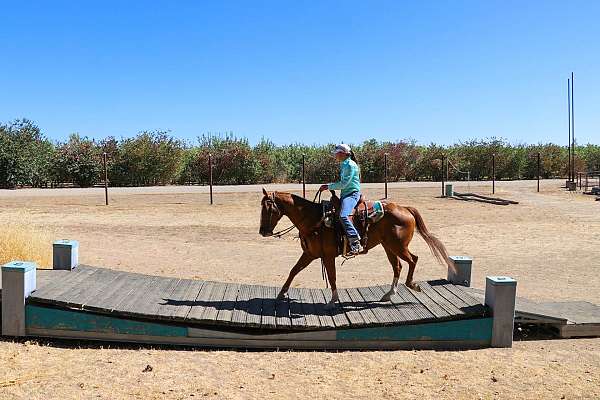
(348, 204)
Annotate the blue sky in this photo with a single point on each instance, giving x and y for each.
(303, 71)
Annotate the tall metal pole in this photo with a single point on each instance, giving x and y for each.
(385, 173)
(573, 123)
(538, 171)
(303, 176)
(443, 159)
(493, 173)
(210, 176)
(569, 110)
(105, 178)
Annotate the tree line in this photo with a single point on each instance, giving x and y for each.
(28, 158)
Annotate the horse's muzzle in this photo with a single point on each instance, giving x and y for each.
(265, 233)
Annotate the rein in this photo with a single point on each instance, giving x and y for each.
(283, 232)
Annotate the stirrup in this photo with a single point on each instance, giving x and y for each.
(355, 248)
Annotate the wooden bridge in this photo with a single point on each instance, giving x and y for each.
(104, 304)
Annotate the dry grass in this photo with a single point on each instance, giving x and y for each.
(21, 240)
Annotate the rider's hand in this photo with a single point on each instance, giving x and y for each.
(323, 188)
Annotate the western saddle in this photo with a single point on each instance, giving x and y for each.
(365, 213)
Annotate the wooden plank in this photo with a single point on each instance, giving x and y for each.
(254, 312)
(319, 301)
(173, 302)
(138, 297)
(443, 291)
(201, 302)
(120, 292)
(338, 314)
(216, 298)
(381, 310)
(75, 294)
(308, 308)
(229, 304)
(61, 288)
(353, 314)
(464, 296)
(436, 310)
(240, 313)
(282, 312)
(416, 311)
(440, 300)
(296, 312)
(181, 308)
(164, 296)
(99, 300)
(92, 293)
(394, 312)
(268, 311)
(255, 306)
(363, 307)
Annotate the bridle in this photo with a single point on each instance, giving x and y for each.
(287, 230)
(282, 232)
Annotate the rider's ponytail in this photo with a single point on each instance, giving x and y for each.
(353, 157)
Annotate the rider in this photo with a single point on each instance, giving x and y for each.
(349, 184)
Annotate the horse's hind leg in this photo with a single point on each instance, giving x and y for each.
(411, 259)
(397, 268)
(330, 268)
(400, 250)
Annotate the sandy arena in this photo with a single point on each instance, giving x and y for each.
(550, 243)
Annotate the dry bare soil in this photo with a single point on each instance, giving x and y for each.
(550, 243)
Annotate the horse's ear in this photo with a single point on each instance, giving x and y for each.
(265, 192)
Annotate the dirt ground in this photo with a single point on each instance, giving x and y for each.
(549, 243)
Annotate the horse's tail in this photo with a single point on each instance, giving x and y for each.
(435, 245)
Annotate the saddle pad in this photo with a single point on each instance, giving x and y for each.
(376, 212)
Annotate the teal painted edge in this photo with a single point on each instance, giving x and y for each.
(52, 318)
(479, 329)
(22, 266)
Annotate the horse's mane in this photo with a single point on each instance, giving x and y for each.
(301, 202)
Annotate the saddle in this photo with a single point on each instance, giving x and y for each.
(365, 213)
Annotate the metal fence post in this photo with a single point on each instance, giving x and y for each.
(105, 178)
(385, 173)
(210, 176)
(304, 175)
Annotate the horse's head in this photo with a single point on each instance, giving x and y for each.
(270, 214)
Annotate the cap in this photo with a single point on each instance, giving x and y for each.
(342, 148)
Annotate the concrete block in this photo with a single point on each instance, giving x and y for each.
(500, 296)
(65, 254)
(449, 190)
(18, 281)
(462, 275)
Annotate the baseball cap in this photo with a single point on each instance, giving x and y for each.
(342, 148)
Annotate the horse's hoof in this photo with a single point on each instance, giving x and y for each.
(414, 287)
(386, 297)
(282, 296)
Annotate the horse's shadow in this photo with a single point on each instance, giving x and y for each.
(293, 308)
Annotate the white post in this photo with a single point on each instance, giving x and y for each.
(461, 275)
(500, 296)
(449, 190)
(18, 281)
(65, 254)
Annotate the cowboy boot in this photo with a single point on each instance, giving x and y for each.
(355, 246)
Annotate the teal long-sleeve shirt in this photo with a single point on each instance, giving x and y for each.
(349, 178)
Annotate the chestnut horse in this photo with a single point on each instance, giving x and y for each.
(394, 232)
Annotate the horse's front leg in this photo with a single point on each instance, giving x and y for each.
(302, 263)
(330, 268)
